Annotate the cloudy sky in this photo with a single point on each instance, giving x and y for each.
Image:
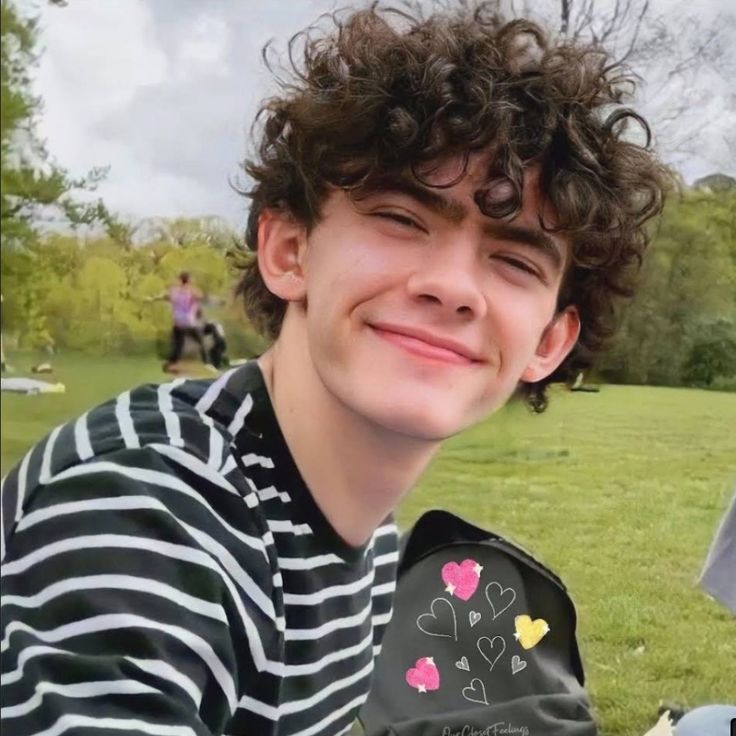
(163, 91)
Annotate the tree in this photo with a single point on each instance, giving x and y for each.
(713, 354)
(33, 188)
(211, 231)
(667, 45)
(688, 285)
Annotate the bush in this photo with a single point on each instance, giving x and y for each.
(713, 355)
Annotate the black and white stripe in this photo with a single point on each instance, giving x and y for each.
(166, 571)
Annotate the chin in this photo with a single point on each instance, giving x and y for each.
(418, 421)
(424, 410)
(419, 429)
(432, 422)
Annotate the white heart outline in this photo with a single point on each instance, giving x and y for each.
(517, 664)
(472, 689)
(490, 641)
(462, 664)
(470, 618)
(434, 616)
(502, 591)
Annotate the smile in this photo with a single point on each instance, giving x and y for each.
(423, 348)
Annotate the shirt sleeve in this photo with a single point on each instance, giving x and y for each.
(118, 613)
(718, 577)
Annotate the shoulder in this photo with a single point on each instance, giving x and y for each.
(157, 506)
(152, 415)
(152, 434)
(180, 432)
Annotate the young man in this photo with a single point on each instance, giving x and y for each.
(443, 213)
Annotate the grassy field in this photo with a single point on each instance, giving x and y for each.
(619, 492)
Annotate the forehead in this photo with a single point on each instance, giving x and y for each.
(471, 185)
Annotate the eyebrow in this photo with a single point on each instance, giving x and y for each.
(455, 212)
(449, 209)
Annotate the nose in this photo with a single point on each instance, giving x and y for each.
(448, 278)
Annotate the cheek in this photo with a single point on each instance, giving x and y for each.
(353, 271)
(519, 320)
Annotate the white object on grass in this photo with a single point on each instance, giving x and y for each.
(31, 386)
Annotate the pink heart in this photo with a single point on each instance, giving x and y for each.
(424, 675)
(463, 578)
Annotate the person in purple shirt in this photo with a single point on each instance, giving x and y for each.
(185, 300)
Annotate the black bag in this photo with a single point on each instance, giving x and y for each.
(481, 642)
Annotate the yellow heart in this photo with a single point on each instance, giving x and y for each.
(529, 633)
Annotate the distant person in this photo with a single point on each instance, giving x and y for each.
(213, 337)
(185, 302)
(444, 213)
(215, 342)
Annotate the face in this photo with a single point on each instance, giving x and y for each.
(422, 314)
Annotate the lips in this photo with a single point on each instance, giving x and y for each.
(425, 344)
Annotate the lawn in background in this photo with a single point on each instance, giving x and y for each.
(619, 492)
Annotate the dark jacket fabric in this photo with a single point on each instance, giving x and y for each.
(481, 643)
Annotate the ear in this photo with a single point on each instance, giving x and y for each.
(282, 242)
(558, 340)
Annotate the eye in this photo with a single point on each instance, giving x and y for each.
(518, 264)
(400, 219)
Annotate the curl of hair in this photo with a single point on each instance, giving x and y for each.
(386, 91)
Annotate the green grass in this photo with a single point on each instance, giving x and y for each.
(619, 492)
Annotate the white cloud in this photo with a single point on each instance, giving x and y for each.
(202, 47)
(95, 59)
(164, 91)
(100, 54)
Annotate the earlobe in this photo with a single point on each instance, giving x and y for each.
(557, 341)
(281, 248)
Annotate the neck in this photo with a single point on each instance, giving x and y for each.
(356, 470)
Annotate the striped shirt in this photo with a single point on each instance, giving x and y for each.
(166, 571)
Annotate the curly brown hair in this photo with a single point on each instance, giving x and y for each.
(385, 90)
